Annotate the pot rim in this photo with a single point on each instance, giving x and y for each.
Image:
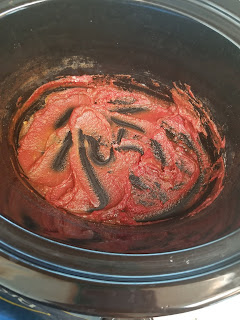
(18, 258)
(114, 267)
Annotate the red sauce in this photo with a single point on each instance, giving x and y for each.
(115, 151)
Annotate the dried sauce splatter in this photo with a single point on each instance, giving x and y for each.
(109, 151)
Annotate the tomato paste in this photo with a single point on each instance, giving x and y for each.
(112, 150)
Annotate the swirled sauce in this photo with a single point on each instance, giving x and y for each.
(112, 150)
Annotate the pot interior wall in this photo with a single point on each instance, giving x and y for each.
(58, 38)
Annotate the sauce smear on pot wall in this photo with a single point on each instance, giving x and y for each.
(115, 151)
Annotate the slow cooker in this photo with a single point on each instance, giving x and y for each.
(54, 261)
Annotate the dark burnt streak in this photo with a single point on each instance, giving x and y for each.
(146, 204)
(175, 137)
(131, 110)
(163, 197)
(170, 134)
(160, 194)
(186, 140)
(178, 186)
(208, 144)
(95, 154)
(182, 167)
(91, 175)
(59, 162)
(158, 152)
(205, 195)
(123, 101)
(121, 133)
(63, 119)
(122, 123)
(178, 209)
(137, 182)
(131, 148)
(129, 86)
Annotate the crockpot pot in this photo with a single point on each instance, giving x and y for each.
(68, 263)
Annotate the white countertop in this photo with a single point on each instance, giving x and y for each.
(228, 309)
